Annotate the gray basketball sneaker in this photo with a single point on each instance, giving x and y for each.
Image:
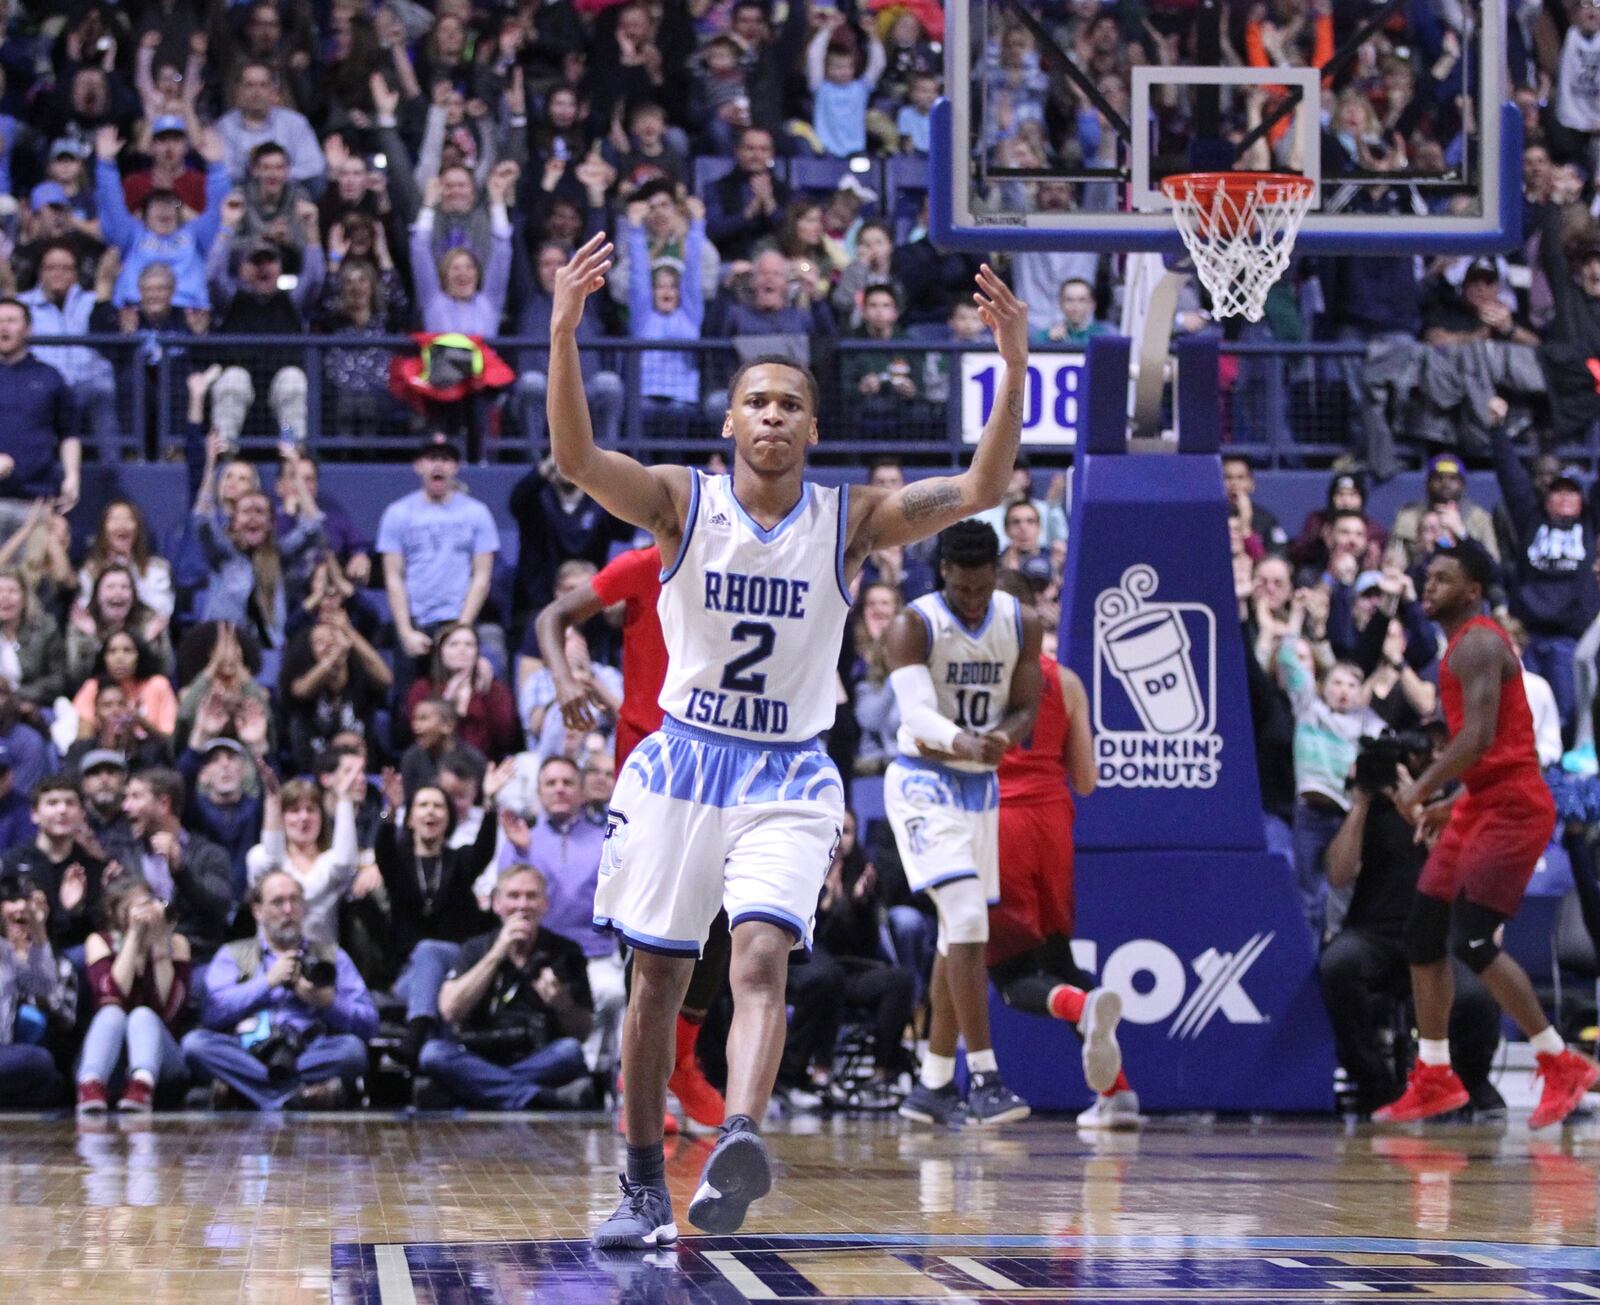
(737, 1173)
(643, 1220)
(928, 1105)
(989, 1101)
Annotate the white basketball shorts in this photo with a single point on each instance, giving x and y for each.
(701, 821)
(946, 824)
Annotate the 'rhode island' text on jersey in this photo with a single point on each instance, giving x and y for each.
(753, 618)
(971, 668)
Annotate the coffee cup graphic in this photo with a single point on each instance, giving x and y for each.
(1148, 649)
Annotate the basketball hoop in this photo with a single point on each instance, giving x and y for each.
(1239, 228)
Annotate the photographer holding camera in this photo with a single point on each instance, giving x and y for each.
(284, 1022)
(1376, 850)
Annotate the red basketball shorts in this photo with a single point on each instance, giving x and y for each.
(627, 738)
(1488, 851)
(1035, 879)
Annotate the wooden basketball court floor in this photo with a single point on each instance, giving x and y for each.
(391, 1210)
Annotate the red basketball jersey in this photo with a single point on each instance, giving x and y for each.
(1036, 770)
(634, 578)
(1513, 754)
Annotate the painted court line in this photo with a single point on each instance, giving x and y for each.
(1580, 1289)
(740, 1274)
(394, 1276)
(1352, 1286)
(980, 1272)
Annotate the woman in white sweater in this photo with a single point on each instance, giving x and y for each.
(295, 838)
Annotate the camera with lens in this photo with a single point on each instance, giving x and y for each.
(280, 1052)
(319, 973)
(1379, 761)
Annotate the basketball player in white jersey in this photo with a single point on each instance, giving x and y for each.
(733, 802)
(964, 666)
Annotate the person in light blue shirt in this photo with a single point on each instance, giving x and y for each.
(839, 97)
(916, 116)
(438, 546)
(160, 235)
(668, 304)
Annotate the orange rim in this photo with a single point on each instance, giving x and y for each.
(1199, 188)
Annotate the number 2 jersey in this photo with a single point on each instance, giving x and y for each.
(753, 618)
(971, 668)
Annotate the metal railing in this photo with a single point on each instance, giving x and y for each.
(1286, 405)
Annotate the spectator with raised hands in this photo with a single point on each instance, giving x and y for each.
(113, 606)
(486, 714)
(123, 539)
(62, 861)
(840, 86)
(160, 234)
(225, 674)
(458, 293)
(139, 970)
(29, 975)
(167, 147)
(226, 775)
(274, 206)
(32, 652)
(296, 838)
(334, 681)
(112, 727)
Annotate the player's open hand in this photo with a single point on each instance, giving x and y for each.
(1004, 314)
(581, 277)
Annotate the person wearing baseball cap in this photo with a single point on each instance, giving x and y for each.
(1347, 492)
(1553, 591)
(1447, 496)
(169, 168)
(1474, 313)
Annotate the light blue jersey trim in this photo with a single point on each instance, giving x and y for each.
(688, 534)
(968, 790)
(712, 770)
(683, 730)
(948, 877)
(761, 532)
(838, 558)
(772, 915)
(648, 942)
(1017, 611)
(962, 625)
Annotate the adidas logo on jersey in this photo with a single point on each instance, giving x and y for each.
(719, 519)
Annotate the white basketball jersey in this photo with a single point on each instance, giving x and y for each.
(753, 618)
(971, 669)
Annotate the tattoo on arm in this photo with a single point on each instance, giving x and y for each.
(1014, 404)
(923, 501)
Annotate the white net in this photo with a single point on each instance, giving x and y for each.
(1239, 229)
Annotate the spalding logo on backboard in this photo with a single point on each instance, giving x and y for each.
(1155, 688)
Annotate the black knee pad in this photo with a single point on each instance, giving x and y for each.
(1474, 943)
(1427, 930)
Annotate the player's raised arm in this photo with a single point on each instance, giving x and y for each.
(879, 518)
(654, 498)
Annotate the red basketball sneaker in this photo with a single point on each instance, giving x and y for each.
(1566, 1078)
(1431, 1090)
(700, 1101)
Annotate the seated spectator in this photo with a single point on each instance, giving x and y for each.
(299, 491)
(433, 724)
(296, 839)
(226, 675)
(257, 117)
(50, 219)
(39, 436)
(914, 121)
(284, 1022)
(523, 985)
(254, 302)
(1052, 515)
(1077, 323)
(460, 775)
(249, 567)
(884, 385)
(103, 774)
(815, 257)
(333, 680)
(438, 546)
(431, 902)
(650, 155)
(560, 529)
(1459, 516)
(132, 667)
(1552, 587)
(1330, 719)
(188, 875)
(114, 608)
(1024, 535)
(61, 306)
(459, 293)
(16, 815)
(32, 652)
(719, 99)
(486, 714)
(358, 377)
(115, 724)
(743, 207)
(123, 539)
(160, 234)
(139, 973)
(867, 680)
(1541, 699)
(274, 205)
(870, 267)
(564, 845)
(546, 729)
(669, 305)
(603, 389)
(30, 981)
(59, 862)
(1376, 857)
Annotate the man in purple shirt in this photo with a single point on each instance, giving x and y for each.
(283, 1023)
(565, 847)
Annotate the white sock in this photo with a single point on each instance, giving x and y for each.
(1547, 1042)
(1434, 1051)
(938, 1071)
(983, 1062)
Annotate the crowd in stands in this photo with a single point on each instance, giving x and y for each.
(283, 807)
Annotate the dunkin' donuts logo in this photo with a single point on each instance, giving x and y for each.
(1155, 688)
